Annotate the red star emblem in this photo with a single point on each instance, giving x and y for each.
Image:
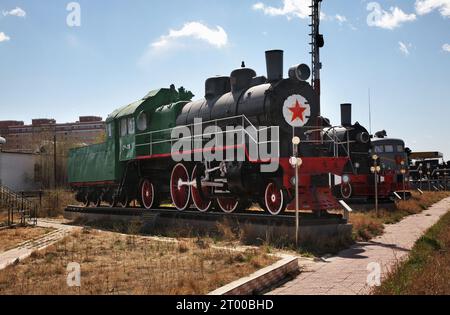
(297, 111)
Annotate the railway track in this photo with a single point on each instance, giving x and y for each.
(254, 217)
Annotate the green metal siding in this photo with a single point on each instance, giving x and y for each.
(93, 163)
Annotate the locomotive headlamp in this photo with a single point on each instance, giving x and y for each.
(378, 169)
(357, 165)
(300, 72)
(345, 179)
(372, 169)
(403, 171)
(402, 163)
(295, 161)
(374, 157)
(296, 141)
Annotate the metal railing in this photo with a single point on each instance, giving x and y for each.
(246, 129)
(17, 207)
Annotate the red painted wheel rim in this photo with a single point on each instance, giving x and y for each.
(202, 204)
(147, 194)
(180, 194)
(274, 199)
(228, 205)
(346, 191)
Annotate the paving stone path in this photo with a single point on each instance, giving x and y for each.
(25, 249)
(347, 273)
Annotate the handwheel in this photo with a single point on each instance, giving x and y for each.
(179, 191)
(274, 199)
(200, 195)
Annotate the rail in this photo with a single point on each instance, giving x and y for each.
(17, 206)
(246, 129)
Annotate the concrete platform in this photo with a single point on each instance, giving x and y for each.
(256, 228)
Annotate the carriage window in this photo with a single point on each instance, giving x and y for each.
(142, 122)
(389, 149)
(109, 132)
(131, 126)
(379, 149)
(400, 148)
(123, 127)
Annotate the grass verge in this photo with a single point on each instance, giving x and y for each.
(427, 271)
(120, 264)
(367, 224)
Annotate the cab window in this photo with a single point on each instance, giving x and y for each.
(142, 122)
(400, 148)
(131, 126)
(389, 149)
(379, 149)
(123, 127)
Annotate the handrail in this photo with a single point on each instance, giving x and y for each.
(334, 140)
(16, 202)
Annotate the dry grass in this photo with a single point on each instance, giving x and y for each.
(54, 202)
(367, 224)
(119, 264)
(427, 272)
(10, 238)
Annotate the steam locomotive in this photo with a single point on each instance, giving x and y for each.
(377, 163)
(138, 160)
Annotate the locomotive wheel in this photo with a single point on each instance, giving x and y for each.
(147, 194)
(181, 194)
(87, 202)
(200, 196)
(228, 204)
(274, 199)
(98, 201)
(125, 202)
(346, 190)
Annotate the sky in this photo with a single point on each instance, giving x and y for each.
(62, 59)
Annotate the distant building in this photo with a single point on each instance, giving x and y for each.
(30, 138)
(17, 171)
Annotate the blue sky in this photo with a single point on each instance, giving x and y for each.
(123, 49)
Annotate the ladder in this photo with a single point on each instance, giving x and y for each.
(21, 211)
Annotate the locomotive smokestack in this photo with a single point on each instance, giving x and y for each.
(274, 61)
(346, 115)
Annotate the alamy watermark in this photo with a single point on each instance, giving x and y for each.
(74, 275)
(374, 277)
(74, 17)
(230, 143)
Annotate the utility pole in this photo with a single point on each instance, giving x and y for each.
(317, 42)
(54, 160)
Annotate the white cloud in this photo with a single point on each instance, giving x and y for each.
(390, 20)
(404, 48)
(290, 9)
(4, 37)
(446, 48)
(15, 12)
(216, 37)
(426, 6)
(340, 18)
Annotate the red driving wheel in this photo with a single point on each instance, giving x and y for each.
(147, 194)
(180, 193)
(200, 196)
(228, 204)
(274, 199)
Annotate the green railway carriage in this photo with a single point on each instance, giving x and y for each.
(108, 172)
